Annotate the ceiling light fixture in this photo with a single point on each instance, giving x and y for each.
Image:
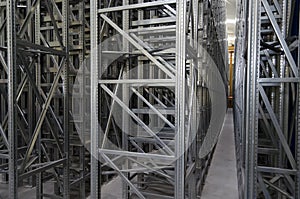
(230, 21)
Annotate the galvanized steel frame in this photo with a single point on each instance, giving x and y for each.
(35, 112)
(190, 103)
(266, 101)
(48, 42)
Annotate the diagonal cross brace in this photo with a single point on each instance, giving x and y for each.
(280, 38)
(41, 118)
(168, 150)
(122, 175)
(138, 46)
(277, 127)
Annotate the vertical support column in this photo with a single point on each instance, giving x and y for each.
(141, 69)
(65, 31)
(282, 94)
(192, 180)
(83, 162)
(238, 93)
(30, 97)
(252, 99)
(38, 74)
(125, 99)
(297, 190)
(12, 129)
(95, 174)
(180, 98)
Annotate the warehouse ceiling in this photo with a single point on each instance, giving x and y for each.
(231, 13)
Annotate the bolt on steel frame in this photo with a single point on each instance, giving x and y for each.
(267, 99)
(148, 101)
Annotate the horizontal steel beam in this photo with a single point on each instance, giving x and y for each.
(137, 6)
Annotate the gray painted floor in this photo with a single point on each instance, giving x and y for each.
(221, 182)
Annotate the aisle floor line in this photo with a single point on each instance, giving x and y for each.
(221, 182)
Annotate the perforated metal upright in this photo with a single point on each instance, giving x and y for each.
(239, 92)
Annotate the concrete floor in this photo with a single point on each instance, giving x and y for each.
(25, 192)
(221, 181)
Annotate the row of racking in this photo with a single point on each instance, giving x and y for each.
(43, 43)
(92, 90)
(267, 99)
(158, 91)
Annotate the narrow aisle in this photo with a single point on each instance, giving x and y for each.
(221, 182)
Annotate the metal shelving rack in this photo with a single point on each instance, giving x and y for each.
(267, 99)
(157, 89)
(157, 86)
(37, 68)
(36, 128)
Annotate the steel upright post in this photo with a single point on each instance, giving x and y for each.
(12, 83)
(95, 175)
